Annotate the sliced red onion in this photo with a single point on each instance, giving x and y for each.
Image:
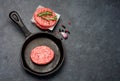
(65, 35)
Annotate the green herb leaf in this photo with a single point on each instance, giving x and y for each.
(54, 18)
(44, 13)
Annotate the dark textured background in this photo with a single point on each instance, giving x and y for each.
(92, 49)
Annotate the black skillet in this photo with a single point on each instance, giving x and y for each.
(33, 40)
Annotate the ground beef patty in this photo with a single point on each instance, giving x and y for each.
(42, 55)
(41, 21)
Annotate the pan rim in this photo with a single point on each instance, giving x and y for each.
(49, 72)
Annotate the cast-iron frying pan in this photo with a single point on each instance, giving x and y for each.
(38, 39)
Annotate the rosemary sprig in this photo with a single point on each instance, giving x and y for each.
(54, 18)
(44, 13)
(48, 18)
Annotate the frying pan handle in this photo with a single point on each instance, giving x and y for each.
(14, 16)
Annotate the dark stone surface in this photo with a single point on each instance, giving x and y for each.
(92, 49)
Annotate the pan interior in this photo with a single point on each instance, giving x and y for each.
(35, 41)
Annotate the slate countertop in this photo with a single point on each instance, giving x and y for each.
(92, 51)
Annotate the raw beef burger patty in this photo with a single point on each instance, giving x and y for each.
(42, 55)
(41, 21)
